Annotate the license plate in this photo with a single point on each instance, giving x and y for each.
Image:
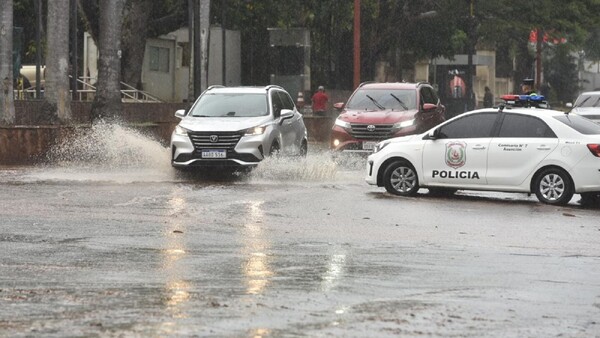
(369, 145)
(214, 153)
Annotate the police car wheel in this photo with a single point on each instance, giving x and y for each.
(553, 186)
(400, 178)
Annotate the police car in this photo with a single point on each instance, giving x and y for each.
(526, 150)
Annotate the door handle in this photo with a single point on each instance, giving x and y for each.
(543, 147)
(478, 147)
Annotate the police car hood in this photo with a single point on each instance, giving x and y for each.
(223, 123)
(387, 116)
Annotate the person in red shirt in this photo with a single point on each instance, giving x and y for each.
(319, 102)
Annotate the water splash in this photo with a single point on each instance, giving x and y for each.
(313, 167)
(110, 145)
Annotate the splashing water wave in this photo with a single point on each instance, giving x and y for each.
(110, 145)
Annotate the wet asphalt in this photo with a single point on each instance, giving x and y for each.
(298, 247)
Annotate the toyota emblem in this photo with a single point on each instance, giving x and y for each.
(214, 138)
(371, 127)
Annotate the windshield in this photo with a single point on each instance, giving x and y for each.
(231, 105)
(588, 101)
(380, 99)
(581, 124)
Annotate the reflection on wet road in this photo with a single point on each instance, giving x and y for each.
(298, 247)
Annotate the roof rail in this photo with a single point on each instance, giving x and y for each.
(215, 86)
(364, 83)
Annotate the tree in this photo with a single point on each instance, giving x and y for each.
(107, 102)
(142, 19)
(7, 115)
(57, 92)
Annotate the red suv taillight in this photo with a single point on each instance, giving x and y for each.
(595, 149)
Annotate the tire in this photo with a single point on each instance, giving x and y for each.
(553, 186)
(304, 149)
(400, 178)
(441, 191)
(275, 149)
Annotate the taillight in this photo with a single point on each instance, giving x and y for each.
(595, 149)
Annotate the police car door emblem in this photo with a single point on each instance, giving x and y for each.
(214, 138)
(456, 154)
(371, 127)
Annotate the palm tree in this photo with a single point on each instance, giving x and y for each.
(7, 105)
(57, 81)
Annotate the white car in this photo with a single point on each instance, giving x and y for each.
(237, 127)
(587, 105)
(527, 150)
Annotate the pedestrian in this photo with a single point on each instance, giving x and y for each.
(527, 87)
(488, 98)
(319, 102)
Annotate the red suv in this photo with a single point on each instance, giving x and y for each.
(378, 111)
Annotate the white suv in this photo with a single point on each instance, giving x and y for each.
(587, 105)
(237, 127)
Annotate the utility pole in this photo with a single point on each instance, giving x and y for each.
(356, 43)
(74, 47)
(471, 51)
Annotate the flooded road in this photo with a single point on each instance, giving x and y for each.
(98, 245)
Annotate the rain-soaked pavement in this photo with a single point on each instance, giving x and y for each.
(108, 240)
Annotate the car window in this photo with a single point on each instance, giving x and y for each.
(231, 105)
(428, 95)
(276, 103)
(588, 101)
(580, 124)
(380, 99)
(515, 125)
(286, 100)
(470, 126)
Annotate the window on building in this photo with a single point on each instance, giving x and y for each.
(159, 59)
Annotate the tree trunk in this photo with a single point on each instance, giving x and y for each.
(107, 103)
(7, 105)
(134, 41)
(57, 93)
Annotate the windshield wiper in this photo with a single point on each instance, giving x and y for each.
(201, 116)
(399, 101)
(582, 102)
(376, 103)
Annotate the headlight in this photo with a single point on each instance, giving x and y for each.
(404, 124)
(179, 130)
(380, 146)
(342, 124)
(255, 131)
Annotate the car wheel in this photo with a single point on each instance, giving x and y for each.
(442, 191)
(304, 148)
(400, 178)
(275, 149)
(553, 186)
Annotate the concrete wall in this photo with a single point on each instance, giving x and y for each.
(30, 139)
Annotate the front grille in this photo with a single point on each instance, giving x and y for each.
(380, 132)
(225, 140)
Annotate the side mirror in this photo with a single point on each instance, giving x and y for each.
(286, 114)
(569, 105)
(429, 107)
(432, 134)
(180, 113)
(339, 105)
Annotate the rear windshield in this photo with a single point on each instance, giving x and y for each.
(579, 123)
(381, 99)
(231, 105)
(588, 101)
